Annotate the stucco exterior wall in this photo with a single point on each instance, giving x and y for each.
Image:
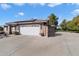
(51, 31)
(47, 31)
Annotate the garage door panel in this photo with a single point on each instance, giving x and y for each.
(30, 31)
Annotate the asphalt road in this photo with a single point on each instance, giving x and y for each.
(63, 44)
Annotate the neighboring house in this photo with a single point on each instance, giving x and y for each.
(30, 27)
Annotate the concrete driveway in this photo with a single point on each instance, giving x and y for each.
(63, 44)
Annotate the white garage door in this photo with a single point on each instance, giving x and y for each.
(30, 31)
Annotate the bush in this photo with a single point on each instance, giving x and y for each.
(42, 34)
(1, 28)
(16, 33)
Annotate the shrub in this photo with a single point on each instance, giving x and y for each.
(1, 28)
(42, 34)
(16, 33)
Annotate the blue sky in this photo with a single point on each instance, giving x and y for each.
(10, 12)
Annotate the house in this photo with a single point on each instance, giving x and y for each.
(30, 27)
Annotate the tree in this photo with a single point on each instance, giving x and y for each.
(1, 28)
(53, 19)
(76, 20)
(63, 25)
(76, 23)
(71, 26)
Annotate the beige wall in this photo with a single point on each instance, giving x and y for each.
(44, 30)
(47, 31)
(6, 29)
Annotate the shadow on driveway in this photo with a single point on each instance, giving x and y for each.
(58, 34)
(55, 35)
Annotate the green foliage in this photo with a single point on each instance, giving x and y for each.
(76, 20)
(1, 28)
(63, 25)
(72, 25)
(53, 19)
